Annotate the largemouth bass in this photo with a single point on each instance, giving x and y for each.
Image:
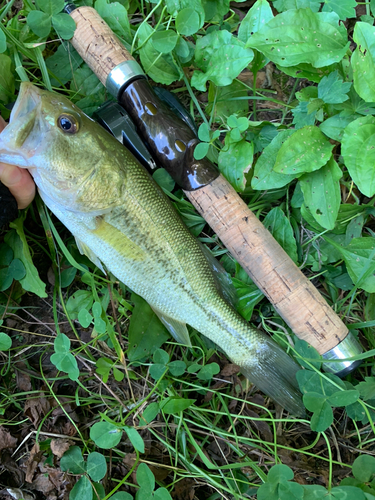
(122, 220)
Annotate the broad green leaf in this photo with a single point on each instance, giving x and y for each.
(283, 5)
(62, 64)
(278, 485)
(72, 461)
(314, 492)
(301, 36)
(367, 388)
(82, 490)
(51, 6)
(302, 116)
(201, 149)
(249, 296)
(17, 269)
(280, 228)
(135, 438)
(357, 413)
(305, 70)
(162, 494)
(363, 61)
(64, 25)
(63, 359)
(146, 332)
(360, 262)
(334, 126)
(39, 22)
(308, 352)
(85, 318)
(364, 468)
(17, 241)
(346, 493)
(188, 22)
(175, 405)
(96, 466)
(314, 401)
(358, 150)
(67, 276)
(322, 418)
(321, 192)
(3, 42)
(116, 16)
(310, 381)
(235, 160)
(208, 371)
(86, 82)
(6, 77)
(259, 14)
(343, 398)
(5, 342)
(164, 41)
(177, 368)
(145, 478)
(227, 100)
(160, 67)
(103, 368)
(81, 299)
(121, 495)
(215, 10)
(149, 414)
(164, 179)
(332, 89)
(221, 56)
(305, 150)
(264, 175)
(6, 254)
(343, 8)
(174, 7)
(6, 279)
(105, 435)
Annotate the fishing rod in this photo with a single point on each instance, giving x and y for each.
(171, 140)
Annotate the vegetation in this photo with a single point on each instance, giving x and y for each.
(96, 400)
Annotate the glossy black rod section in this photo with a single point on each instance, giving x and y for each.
(169, 139)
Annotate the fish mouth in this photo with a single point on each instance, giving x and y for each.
(28, 99)
(20, 139)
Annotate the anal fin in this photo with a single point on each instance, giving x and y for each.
(177, 329)
(86, 250)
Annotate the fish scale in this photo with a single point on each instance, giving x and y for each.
(122, 219)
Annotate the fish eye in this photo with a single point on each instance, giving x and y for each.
(68, 123)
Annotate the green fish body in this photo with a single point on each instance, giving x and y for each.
(121, 219)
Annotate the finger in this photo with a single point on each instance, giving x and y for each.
(19, 182)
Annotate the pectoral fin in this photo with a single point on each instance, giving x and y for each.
(177, 329)
(123, 245)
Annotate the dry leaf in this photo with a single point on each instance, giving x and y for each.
(60, 446)
(6, 439)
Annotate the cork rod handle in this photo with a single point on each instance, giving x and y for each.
(96, 43)
(296, 299)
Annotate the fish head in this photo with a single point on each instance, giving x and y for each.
(53, 139)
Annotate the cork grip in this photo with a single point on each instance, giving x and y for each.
(296, 300)
(96, 43)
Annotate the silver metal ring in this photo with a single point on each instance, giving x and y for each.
(122, 74)
(347, 348)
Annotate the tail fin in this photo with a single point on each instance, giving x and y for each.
(275, 374)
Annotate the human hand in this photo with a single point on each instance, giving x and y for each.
(18, 180)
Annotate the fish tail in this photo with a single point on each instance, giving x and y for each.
(274, 373)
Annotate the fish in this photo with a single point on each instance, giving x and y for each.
(122, 220)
